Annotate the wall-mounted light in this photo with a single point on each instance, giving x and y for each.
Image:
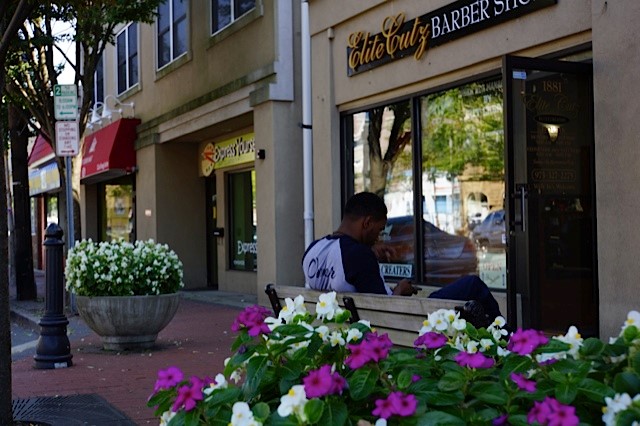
(261, 154)
(551, 124)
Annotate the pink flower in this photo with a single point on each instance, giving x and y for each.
(318, 382)
(522, 383)
(502, 420)
(371, 348)
(252, 317)
(403, 405)
(524, 342)
(168, 378)
(397, 403)
(188, 396)
(359, 356)
(431, 340)
(550, 412)
(476, 360)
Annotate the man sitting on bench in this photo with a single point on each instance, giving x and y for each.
(344, 261)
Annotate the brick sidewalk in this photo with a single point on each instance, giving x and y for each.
(197, 340)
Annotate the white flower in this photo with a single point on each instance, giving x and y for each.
(459, 324)
(327, 306)
(218, 383)
(236, 376)
(323, 331)
(336, 339)
(472, 347)
(365, 323)
(272, 322)
(633, 318)
(619, 402)
(485, 344)
(574, 340)
(292, 308)
(381, 422)
(242, 415)
(166, 417)
(502, 352)
(353, 335)
(293, 402)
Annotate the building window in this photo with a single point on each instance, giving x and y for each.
(447, 152)
(172, 31)
(98, 82)
(127, 51)
(224, 12)
(243, 221)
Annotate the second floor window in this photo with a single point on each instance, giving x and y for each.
(98, 82)
(172, 30)
(127, 51)
(224, 12)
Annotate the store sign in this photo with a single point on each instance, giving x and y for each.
(400, 38)
(44, 179)
(234, 151)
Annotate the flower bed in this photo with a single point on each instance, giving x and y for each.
(304, 369)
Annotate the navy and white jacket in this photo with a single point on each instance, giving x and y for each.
(341, 264)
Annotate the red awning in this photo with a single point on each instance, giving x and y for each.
(41, 149)
(109, 152)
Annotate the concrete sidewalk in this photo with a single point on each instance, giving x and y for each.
(112, 388)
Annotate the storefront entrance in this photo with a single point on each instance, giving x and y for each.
(214, 233)
(552, 276)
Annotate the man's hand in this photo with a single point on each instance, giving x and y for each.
(405, 288)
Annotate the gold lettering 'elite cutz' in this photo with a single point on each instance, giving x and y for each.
(366, 49)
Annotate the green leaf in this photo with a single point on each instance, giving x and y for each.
(224, 396)
(566, 392)
(518, 420)
(591, 347)
(553, 346)
(314, 409)
(192, 418)
(334, 414)
(635, 362)
(452, 380)
(261, 411)
(627, 382)
(362, 383)
(595, 390)
(441, 399)
(515, 364)
(404, 379)
(630, 333)
(439, 418)
(256, 375)
(491, 393)
(628, 416)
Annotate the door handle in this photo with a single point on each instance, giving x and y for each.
(522, 193)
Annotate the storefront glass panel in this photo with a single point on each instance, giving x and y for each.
(382, 163)
(117, 212)
(242, 211)
(462, 158)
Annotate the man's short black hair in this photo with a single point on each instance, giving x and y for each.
(365, 204)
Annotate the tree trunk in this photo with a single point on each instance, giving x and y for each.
(22, 248)
(6, 415)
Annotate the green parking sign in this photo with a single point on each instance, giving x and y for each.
(65, 101)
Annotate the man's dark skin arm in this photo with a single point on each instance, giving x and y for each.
(404, 288)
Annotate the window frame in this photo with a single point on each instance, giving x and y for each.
(129, 58)
(171, 30)
(98, 82)
(232, 245)
(235, 15)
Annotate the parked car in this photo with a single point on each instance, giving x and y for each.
(447, 257)
(491, 233)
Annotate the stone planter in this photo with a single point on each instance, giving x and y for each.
(128, 322)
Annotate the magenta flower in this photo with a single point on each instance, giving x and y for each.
(318, 382)
(338, 383)
(524, 342)
(397, 403)
(475, 360)
(168, 378)
(383, 409)
(550, 412)
(502, 420)
(431, 340)
(403, 405)
(523, 383)
(358, 357)
(415, 378)
(252, 317)
(378, 345)
(188, 396)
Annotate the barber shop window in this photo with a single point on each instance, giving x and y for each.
(127, 53)
(449, 156)
(225, 12)
(243, 221)
(172, 31)
(117, 210)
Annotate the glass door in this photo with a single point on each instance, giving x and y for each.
(214, 234)
(552, 280)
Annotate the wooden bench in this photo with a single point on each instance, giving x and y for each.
(399, 316)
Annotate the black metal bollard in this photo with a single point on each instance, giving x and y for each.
(53, 349)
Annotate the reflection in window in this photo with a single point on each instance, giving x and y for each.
(127, 54)
(52, 209)
(172, 30)
(224, 12)
(117, 212)
(462, 180)
(242, 210)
